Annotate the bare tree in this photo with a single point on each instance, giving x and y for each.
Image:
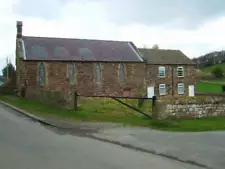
(155, 46)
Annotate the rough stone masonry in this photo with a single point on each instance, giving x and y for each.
(192, 108)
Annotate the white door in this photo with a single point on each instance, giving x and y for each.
(151, 92)
(191, 90)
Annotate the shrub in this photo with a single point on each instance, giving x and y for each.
(217, 72)
(223, 88)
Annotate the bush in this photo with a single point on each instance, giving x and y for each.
(223, 88)
(217, 72)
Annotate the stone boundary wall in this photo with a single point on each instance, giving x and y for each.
(54, 98)
(193, 108)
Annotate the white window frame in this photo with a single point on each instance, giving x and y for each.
(164, 70)
(162, 86)
(179, 85)
(180, 67)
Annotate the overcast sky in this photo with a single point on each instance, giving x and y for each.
(193, 26)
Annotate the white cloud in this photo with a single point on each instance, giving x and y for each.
(88, 19)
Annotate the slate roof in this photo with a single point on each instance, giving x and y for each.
(64, 49)
(165, 56)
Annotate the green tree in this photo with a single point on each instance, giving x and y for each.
(217, 72)
(9, 71)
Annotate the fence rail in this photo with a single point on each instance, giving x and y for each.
(117, 98)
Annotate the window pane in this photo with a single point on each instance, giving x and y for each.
(180, 71)
(121, 73)
(162, 89)
(161, 71)
(42, 74)
(180, 88)
(71, 74)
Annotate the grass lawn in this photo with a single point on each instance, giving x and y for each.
(99, 110)
(205, 87)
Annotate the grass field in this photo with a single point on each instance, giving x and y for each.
(207, 87)
(98, 110)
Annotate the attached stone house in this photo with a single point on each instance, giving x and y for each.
(169, 73)
(46, 65)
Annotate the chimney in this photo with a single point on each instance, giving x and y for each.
(19, 25)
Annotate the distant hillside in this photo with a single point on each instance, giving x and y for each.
(210, 68)
(210, 59)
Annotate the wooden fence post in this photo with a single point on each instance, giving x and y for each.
(154, 108)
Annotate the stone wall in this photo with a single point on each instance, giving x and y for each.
(171, 80)
(56, 78)
(193, 108)
(58, 92)
(54, 98)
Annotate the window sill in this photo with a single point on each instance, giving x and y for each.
(180, 76)
(161, 77)
(98, 84)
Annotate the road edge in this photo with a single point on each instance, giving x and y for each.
(125, 145)
(29, 115)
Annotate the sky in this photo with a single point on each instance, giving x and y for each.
(194, 26)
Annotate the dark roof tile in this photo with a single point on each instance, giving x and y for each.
(45, 48)
(162, 56)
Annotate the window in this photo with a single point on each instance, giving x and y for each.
(71, 73)
(60, 51)
(180, 72)
(121, 73)
(162, 71)
(85, 52)
(39, 52)
(180, 88)
(42, 74)
(97, 72)
(162, 89)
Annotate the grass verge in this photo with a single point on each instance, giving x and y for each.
(106, 110)
(91, 109)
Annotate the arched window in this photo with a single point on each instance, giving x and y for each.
(121, 73)
(21, 49)
(71, 73)
(97, 69)
(42, 74)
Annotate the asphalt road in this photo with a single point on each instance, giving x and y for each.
(25, 144)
